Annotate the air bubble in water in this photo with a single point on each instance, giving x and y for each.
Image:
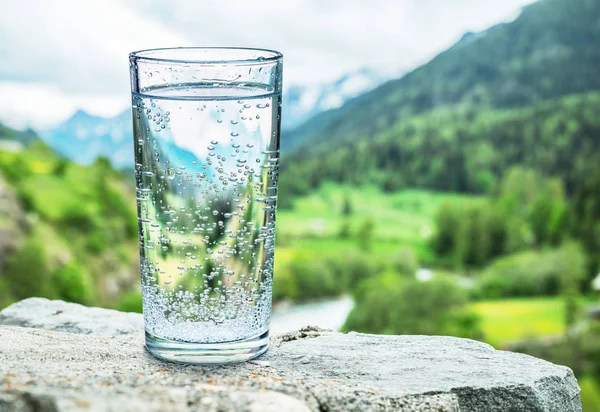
(210, 223)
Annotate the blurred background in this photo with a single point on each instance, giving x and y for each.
(440, 162)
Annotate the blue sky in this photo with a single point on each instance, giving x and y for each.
(58, 56)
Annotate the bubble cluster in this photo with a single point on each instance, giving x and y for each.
(206, 178)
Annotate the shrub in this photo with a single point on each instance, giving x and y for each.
(95, 241)
(364, 235)
(309, 276)
(313, 277)
(359, 267)
(78, 216)
(131, 302)
(345, 231)
(391, 304)
(406, 261)
(72, 283)
(5, 296)
(347, 208)
(28, 274)
(531, 273)
(284, 286)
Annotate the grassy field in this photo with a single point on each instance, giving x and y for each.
(515, 319)
(401, 218)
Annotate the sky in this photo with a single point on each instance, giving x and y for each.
(62, 55)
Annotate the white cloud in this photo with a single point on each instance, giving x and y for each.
(61, 55)
(56, 57)
(322, 40)
(81, 46)
(41, 105)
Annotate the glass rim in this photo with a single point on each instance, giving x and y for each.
(146, 55)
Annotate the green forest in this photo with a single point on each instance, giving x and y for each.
(481, 166)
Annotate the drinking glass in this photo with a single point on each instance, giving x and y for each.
(206, 138)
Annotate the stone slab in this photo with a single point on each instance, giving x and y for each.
(105, 367)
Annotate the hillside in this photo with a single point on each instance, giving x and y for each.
(443, 125)
(11, 139)
(455, 149)
(67, 231)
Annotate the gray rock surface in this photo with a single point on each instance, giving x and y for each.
(306, 370)
(71, 317)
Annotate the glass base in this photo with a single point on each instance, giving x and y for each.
(207, 353)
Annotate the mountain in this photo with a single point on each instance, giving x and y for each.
(302, 102)
(84, 137)
(547, 52)
(520, 71)
(14, 140)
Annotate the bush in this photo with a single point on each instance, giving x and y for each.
(447, 221)
(531, 273)
(284, 286)
(359, 267)
(78, 217)
(60, 166)
(347, 208)
(350, 268)
(391, 304)
(130, 302)
(314, 278)
(345, 231)
(304, 277)
(406, 261)
(5, 296)
(308, 276)
(72, 283)
(28, 274)
(12, 167)
(364, 235)
(95, 241)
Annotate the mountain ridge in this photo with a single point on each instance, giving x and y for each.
(511, 64)
(533, 79)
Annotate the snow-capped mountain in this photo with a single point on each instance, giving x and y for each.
(303, 102)
(84, 137)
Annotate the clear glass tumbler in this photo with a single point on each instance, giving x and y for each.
(206, 137)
